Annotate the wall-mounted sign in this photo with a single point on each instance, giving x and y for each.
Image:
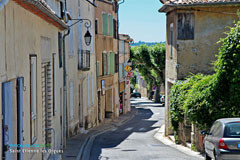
(128, 68)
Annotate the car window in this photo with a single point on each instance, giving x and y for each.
(217, 129)
(213, 128)
(232, 130)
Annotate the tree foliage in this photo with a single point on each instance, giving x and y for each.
(150, 62)
(205, 98)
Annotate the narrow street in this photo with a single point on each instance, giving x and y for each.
(135, 139)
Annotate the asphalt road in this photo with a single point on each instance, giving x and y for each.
(135, 139)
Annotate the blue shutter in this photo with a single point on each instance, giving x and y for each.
(79, 35)
(20, 84)
(7, 117)
(93, 88)
(88, 81)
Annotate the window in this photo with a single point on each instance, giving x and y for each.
(110, 17)
(33, 97)
(185, 26)
(105, 24)
(115, 29)
(96, 26)
(116, 62)
(60, 49)
(171, 40)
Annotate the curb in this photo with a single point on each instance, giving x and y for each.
(87, 144)
(167, 141)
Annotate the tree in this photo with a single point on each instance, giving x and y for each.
(150, 62)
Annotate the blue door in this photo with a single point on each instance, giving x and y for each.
(7, 118)
(20, 84)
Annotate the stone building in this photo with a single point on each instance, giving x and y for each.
(124, 76)
(106, 29)
(193, 30)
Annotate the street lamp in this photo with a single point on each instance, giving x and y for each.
(88, 24)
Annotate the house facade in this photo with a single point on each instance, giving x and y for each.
(81, 68)
(193, 30)
(31, 76)
(124, 76)
(106, 29)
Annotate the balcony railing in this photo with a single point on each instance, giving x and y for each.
(84, 60)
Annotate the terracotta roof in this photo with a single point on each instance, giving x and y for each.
(182, 2)
(168, 5)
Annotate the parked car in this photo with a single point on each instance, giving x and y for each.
(223, 140)
(162, 99)
(136, 95)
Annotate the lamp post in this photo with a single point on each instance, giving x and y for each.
(88, 24)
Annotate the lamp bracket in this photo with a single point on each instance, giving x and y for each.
(87, 24)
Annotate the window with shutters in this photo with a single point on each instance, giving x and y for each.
(105, 24)
(71, 87)
(110, 18)
(171, 40)
(104, 64)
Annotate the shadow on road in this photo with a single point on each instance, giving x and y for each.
(111, 139)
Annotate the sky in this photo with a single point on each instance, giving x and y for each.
(142, 21)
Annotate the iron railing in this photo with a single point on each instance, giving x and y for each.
(83, 59)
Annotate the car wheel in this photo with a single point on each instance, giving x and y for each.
(207, 157)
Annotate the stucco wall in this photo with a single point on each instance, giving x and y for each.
(21, 33)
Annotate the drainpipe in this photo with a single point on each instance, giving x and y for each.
(65, 82)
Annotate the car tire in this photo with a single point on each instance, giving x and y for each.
(207, 157)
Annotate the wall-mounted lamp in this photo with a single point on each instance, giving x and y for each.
(88, 24)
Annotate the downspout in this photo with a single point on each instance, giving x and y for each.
(65, 82)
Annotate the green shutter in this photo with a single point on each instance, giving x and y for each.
(97, 69)
(110, 25)
(112, 63)
(107, 64)
(105, 23)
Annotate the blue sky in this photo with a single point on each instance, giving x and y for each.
(142, 21)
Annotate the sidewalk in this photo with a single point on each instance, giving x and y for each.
(170, 142)
(77, 145)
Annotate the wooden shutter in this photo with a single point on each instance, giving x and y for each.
(110, 25)
(105, 23)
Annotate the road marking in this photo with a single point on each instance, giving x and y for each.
(142, 129)
(128, 129)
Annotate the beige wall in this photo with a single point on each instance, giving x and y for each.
(21, 33)
(106, 44)
(84, 113)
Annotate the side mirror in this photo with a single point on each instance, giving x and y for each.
(203, 132)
